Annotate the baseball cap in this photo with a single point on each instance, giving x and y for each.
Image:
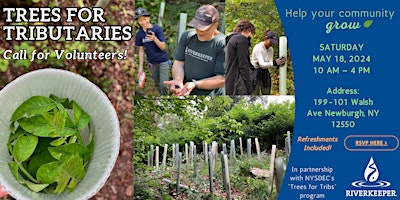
(141, 12)
(205, 16)
(271, 35)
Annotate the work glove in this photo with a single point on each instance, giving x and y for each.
(280, 61)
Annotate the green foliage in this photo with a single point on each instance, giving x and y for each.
(263, 15)
(166, 119)
(179, 120)
(46, 144)
(146, 186)
(149, 184)
(237, 10)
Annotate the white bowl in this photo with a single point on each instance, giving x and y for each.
(104, 122)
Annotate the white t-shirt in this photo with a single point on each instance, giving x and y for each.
(262, 57)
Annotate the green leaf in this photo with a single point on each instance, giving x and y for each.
(368, 23)
(33, 186)
(49, 173)
(59, 100)
(39, 160)
(47, 125)
(14, 169)
(36, 187)
(69, 169)
(90, 146)
(62, 183)
(24, 147)
(18, 133)
(58, 142)
(81, 118)
(3, 65)
(72, 184)
(73, 148)
(33, 106)
(73, 165)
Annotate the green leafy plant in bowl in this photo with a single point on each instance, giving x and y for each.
(47, 146)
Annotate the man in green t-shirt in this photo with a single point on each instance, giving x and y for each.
(199, 66)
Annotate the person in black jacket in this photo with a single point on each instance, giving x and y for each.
(238, 66)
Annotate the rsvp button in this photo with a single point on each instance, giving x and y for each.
(371, 142)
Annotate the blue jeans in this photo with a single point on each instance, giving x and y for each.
(160, 73)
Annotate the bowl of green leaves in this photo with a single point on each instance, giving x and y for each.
(59, 136)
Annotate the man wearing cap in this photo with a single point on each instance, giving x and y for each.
(262, 58)
(151, 40)
(198, 68)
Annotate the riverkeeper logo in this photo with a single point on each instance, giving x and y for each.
(371, 186)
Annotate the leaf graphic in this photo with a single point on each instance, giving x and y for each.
(368, 23)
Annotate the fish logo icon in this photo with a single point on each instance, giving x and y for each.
(371, 176)
(371, 172)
